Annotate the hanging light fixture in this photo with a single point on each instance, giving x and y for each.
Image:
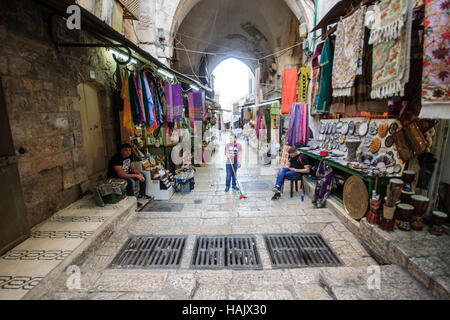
(120, 55)
(166, 73)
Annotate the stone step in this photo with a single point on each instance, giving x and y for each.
(388, 282)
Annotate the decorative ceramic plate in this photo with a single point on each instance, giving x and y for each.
(373, 128)
(387, 160)
(363, 128)
(339, 126)
(323, 127)
(333, 129)
(357, 125)
(356, 197)
(393, 128)
(382, 129)
(389, 141)
(344, 129)
(375, 145)
(351, 127)
(397, 168)
(342, 139)
(366, 156)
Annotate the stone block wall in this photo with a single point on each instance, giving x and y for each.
(40, 84)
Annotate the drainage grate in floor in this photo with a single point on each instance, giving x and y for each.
(299, 250)
(218, 252)
(148, 252)
(163, 207)
(257, 186)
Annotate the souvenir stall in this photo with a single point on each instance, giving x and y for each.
(157, 116)
(367, 99)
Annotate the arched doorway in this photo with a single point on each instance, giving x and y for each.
(93, 141)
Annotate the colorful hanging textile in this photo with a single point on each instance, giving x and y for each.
(275, 108)
(436, 61)
(174, 101)
(195, 100)
(347, 61)
(289, 94)
(298, 125)
(140, 96)
(391, 51)
(127, 117)
(134, 100)
(150, 106)
(324, 175)
(258, 125)
(326, 63)
(304, 76)
(316, 78)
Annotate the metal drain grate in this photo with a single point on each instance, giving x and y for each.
(150, 252)
(299, 250)
(219, 252)
(163, 207)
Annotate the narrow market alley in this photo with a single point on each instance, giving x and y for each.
(123, 123)
(208, 210)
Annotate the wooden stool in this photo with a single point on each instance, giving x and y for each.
(292, 185)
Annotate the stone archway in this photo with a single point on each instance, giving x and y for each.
(247, 30)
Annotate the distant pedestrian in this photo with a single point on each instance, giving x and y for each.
(233, 153)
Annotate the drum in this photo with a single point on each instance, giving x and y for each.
(408, 176)
(387, 224)
(406, 196)
(403, 216)
(394, 192)
(438, 219)
(420, 204)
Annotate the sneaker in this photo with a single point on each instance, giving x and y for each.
(276, 196)
(276, 189)
(145, 197)
(235, 188)
(227, 189)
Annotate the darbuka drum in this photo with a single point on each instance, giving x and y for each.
(403, 216)
(420, 204)
(408, 178)
(406, 196)
(394, 191)
(438, 219)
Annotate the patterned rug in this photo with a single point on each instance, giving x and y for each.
(391, 55)
(348, 53)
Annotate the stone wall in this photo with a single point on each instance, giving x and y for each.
(40, 84)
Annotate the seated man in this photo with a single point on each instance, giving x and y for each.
(298, 165)
(120, 166)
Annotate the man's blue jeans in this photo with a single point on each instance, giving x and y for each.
(285, 173)
(230, 175)
(131, 184)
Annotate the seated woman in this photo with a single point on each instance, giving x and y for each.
(298, 165)
(122, 166)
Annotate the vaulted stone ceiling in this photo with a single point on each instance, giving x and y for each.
(231, 28)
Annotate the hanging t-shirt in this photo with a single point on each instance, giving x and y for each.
(304, 76)
(118, 160)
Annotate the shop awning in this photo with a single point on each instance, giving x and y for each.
(103, 32)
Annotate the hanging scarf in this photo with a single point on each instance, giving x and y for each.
(304, 75)
(134, 99)
(326, 63)
(390, 67)
(151, 123)
(195, 100)
(138, 84)
(316, 78)
(298, 125)
(174, 100)
(289, 94)
(127, 121)
(347, 62)
(436, 61)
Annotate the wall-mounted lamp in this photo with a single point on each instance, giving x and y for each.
(122, 56)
